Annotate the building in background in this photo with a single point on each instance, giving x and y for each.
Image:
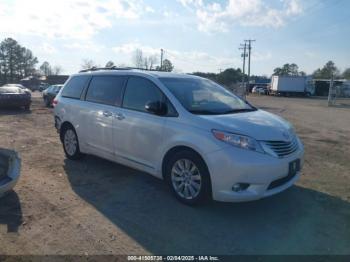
(321, 86)
(40, 82)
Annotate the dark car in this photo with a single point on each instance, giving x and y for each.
(20, 86)
(50, 93)
(42, 87)
(14, 96)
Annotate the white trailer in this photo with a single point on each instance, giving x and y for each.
(289, 85)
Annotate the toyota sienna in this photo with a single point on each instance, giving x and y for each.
(204, 141)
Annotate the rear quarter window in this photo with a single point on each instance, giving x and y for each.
(75, 86)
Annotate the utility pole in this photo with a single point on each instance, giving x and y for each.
(244, 55)
(249, 41)
(161, 59)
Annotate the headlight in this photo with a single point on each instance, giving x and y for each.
(301, 145)
(237, 140)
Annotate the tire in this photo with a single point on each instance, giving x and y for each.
(191, 184)
(70, 143)
(47, 102)
(27, 107)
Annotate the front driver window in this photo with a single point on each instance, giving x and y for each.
(139, 91)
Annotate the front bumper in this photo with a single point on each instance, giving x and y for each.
(10, 165)
(231, 165)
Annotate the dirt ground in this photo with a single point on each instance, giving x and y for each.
(94, 206)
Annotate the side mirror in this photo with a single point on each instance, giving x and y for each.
(158, 108)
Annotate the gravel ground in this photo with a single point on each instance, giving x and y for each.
(94, 206)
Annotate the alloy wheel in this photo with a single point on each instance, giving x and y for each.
(70, 142)
(186, 179)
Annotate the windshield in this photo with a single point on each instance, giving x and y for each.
(202, 96)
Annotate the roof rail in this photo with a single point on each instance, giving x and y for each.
(114, 68)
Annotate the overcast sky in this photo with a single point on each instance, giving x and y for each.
(197, 35)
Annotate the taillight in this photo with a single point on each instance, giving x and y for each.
(54, 102)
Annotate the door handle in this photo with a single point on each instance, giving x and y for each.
(119, 116)
(107, 113)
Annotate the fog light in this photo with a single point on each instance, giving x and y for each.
(240, 187)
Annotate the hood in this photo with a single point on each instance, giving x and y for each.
(259, 124)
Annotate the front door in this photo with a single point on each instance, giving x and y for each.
(138, 133)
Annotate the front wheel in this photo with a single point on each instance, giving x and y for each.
(188, 178)
(71, 143)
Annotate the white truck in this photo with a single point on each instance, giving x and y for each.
(289, 85)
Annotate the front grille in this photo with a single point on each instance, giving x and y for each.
(283, 148)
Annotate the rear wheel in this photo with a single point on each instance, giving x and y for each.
(47, 102)
(188, 177)
(71, 143)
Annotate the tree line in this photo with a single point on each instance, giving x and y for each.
(151, 62)
(231, 75)
(139, 60)
(47, 70)
(18, 62)
(227, 77)
(326, 72)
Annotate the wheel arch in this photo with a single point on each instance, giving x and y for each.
(176, 149)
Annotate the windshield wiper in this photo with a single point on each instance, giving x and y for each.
(234, 111)
(231, 111)
(204, 112)
(249, 104)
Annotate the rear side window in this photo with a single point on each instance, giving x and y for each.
(56, 88)
(139, 92)
(75, 86)
(106, 90)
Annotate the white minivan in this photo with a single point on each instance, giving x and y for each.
(204, 141)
